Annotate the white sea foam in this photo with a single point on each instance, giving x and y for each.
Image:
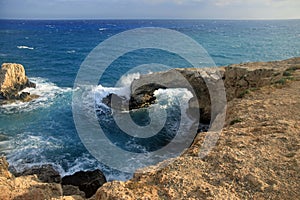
(167, 97)
(102, 29)
(71, 51)
(86, 163)
(46, 91)
(25, 47)
(26, 150)
(122, 88)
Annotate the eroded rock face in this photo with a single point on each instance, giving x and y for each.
(197, 81)
(88, 182)
(237, 80)
(12, 81)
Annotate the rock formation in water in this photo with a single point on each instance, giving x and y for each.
(237, 78)
(12, 81)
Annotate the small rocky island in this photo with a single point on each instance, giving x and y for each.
(256, 157)
(12, 81)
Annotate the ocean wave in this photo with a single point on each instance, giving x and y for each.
(27, 150)
(25, 47)
(3, 54)
(86, 162)
(122, 88)
(46, 92)
(102, 29)
(71, 51)
(165, 98)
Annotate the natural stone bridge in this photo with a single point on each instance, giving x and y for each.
(208, 84)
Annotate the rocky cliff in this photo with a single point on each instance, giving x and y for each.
(12, 81)
(257, 155)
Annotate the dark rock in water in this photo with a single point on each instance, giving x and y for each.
(142, 89)
(116, 102)
(12, 81)
(144, 96)
(45, 173)
(88, 182)
(30, 84)
(24, 95)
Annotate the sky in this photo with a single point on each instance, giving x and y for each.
(150, 9)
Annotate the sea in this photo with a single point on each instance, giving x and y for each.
(43, 131)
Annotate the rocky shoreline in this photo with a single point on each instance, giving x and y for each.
(256, 157)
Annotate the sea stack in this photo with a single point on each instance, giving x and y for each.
(12, 81)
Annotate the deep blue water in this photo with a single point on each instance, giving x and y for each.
(52, 52)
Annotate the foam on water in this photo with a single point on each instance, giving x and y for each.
(30, 150)
(46, 92)
(122, 88)
(25, 47)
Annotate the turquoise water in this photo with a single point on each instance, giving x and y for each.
(43, 131)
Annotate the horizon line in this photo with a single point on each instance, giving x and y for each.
(231, 19)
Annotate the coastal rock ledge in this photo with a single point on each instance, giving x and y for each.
(12, 81)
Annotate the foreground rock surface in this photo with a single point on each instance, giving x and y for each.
(25, 187)
(12, 81)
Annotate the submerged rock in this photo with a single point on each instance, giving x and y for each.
(88, 182)
(12, 81)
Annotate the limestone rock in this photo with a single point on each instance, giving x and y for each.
(4, 168)
(25, 187)
(88, 182)
(12, 81)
